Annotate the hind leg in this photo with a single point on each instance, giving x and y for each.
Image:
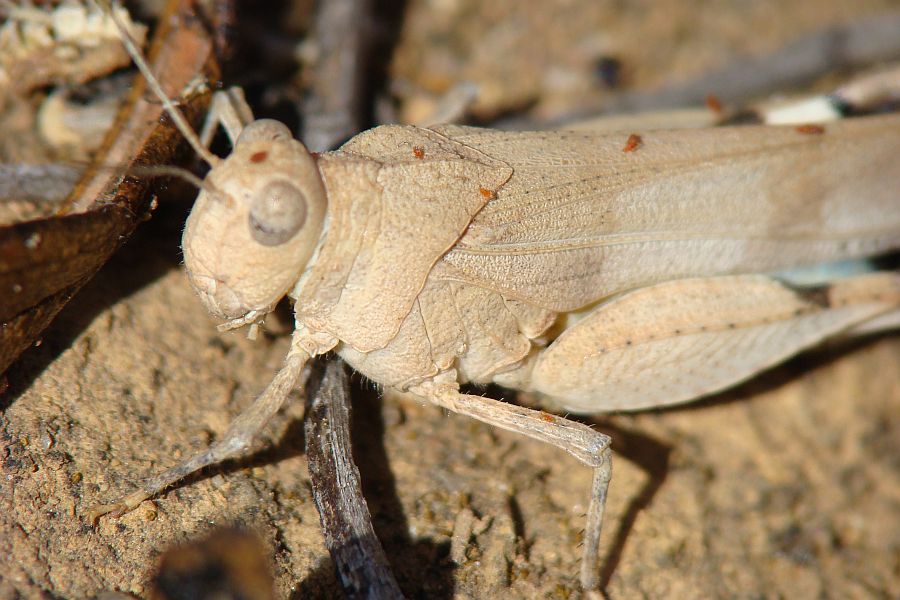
(677, 341)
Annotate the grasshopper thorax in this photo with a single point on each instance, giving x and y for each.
(255, 223)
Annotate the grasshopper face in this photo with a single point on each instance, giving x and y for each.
(255, 224)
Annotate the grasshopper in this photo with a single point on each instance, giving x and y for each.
(600, 272)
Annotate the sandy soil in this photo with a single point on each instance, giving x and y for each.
(786, 487)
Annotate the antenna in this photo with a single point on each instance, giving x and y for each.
(170, 171)
(167, 170)
(138, 58)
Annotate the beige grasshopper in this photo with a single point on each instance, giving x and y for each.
(555, 263)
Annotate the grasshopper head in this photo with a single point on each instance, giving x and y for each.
(255, 224)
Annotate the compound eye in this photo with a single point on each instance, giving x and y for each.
(277, 212)
(264, 129)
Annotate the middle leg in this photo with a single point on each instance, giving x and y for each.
(590, 447)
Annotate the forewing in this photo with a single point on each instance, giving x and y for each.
(581, 218)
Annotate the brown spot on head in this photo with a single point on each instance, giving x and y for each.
(258, 157)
